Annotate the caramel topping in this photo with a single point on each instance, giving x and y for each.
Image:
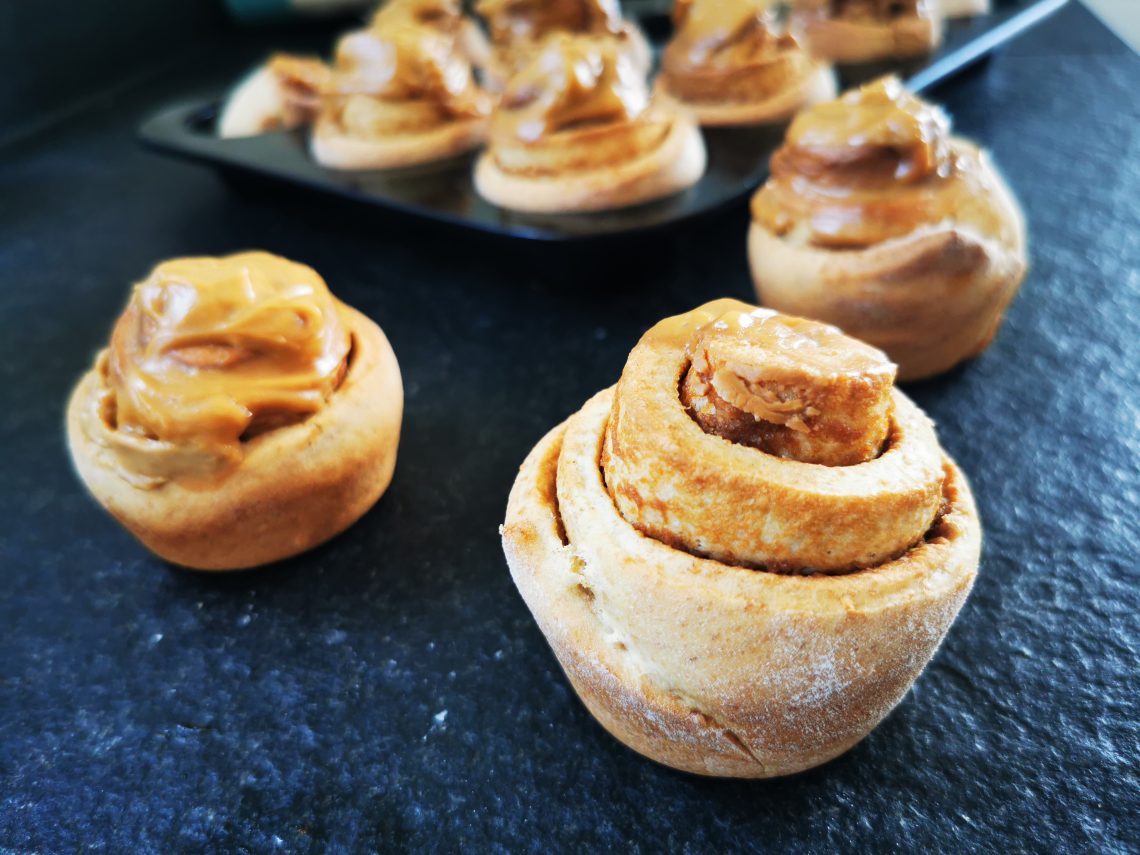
(725, 33)
(878, 124)
(875, 164)
(730, 50)
(407, 72)
(573, 82)
(212, 350)
(511, 21)
(406, 62)
(788, 386)
(444, 14)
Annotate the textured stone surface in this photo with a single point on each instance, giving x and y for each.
(390, 689)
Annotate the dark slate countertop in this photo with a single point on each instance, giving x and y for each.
(390, 690)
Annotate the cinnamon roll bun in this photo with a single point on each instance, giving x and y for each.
(577, 131)
(727, 65)
(286, 92)
(519, 28)
(852, 31)
(240, 415)
(877, 220)
(745, 552)
(399, 94)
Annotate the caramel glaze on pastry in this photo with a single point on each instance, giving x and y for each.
(848, 31)
(754, 608)
(399, 95)
(728, 66)
(286, 92)
(576, 131)
(519, 28)
(444, 15)
(877, 220)
(240, 415)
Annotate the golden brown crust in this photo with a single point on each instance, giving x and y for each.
(711, 668)
(296, 487)
(674, 164)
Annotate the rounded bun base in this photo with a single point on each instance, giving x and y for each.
(816, 88)
(676, 164)
(711, 668)
(335, 150)
(296, 487)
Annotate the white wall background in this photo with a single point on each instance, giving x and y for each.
(1122, 15)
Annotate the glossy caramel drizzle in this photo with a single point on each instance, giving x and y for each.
(788, 386)
(407, 72)
(446, 15)
(721, 46)
(875, 164)
(213, 350)
(512, 21)
(407, 62)
(574, 81)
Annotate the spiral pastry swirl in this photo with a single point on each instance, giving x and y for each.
(577, 130)
(745, 552)
(877, 220)
(728, 65)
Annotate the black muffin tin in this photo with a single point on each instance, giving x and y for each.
(737, 158)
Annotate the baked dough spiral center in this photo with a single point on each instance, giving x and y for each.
(769, 442)
(790, 387)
